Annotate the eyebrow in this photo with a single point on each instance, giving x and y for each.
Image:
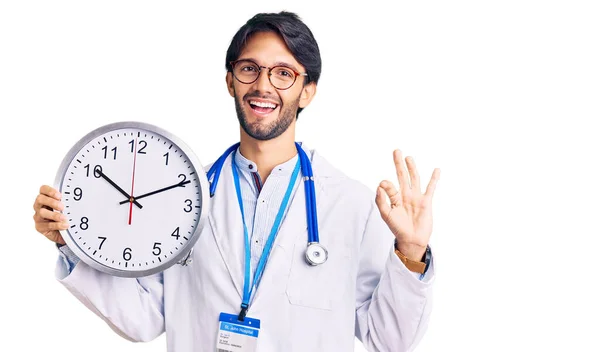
(278, 63)
(285, 64)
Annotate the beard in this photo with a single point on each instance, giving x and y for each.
(259, 131)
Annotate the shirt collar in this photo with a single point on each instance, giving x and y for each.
(249, 166)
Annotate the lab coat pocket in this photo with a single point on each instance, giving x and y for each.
(315, 286)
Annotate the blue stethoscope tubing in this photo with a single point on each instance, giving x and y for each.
(313, 235)
(315, 252)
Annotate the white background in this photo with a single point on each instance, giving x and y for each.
(502, 96)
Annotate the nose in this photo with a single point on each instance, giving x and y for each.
(263, 84)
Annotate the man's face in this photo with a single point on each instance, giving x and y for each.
(254, 102)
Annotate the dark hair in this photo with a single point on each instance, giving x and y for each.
(296, 35)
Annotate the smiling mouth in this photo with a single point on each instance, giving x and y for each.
(262, 107)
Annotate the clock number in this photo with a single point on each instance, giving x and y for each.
(114, 150)
(127, 254)
(167, 157)
(176, 233)
(141, 150)
(101, 243)
(97, 171)
(188, 206)
(78, 193)
(184, 178)
(156, 247)
(84, 223)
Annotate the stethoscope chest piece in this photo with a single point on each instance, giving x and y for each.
(316, 254)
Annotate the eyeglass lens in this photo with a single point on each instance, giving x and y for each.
(280, 77)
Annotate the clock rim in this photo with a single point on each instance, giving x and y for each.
(205, 198)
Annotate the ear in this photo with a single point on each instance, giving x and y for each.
(229, 80)
(308, 92)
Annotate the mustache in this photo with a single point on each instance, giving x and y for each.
(257, 94)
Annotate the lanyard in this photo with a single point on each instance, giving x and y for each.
(266, 251)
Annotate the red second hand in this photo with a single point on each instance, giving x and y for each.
(132, 182)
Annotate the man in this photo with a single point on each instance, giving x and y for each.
(376, 283)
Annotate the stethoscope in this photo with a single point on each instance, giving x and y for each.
(316, 253)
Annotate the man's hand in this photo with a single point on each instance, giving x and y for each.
(409, 214)
(47, 221)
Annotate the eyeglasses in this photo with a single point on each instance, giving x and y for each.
(281, 77)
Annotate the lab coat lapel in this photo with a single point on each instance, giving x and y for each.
(226, 222)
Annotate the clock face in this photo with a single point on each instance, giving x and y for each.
(133, 197)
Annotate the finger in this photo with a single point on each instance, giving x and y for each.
(44, 200)
(50, 192)
(384, 208)
(392, 193)
(433, 182)
(45, 227)
(401, 173)
(46, 214)
(415, 181)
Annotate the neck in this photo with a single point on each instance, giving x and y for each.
(268, 154)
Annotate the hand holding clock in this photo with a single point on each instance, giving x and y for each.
(47, 221)
(103, 169)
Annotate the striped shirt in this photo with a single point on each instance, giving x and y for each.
(262, 200)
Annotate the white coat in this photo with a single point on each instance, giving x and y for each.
(363, 289)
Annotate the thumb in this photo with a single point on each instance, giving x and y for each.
(384, 208)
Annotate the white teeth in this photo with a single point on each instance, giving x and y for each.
(263, 105)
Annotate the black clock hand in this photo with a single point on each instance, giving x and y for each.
(180, 184)
(118, 188)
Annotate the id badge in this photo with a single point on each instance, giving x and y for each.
(237, 336)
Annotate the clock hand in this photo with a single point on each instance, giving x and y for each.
(118, 188)
(131, 199)
(179, 184)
